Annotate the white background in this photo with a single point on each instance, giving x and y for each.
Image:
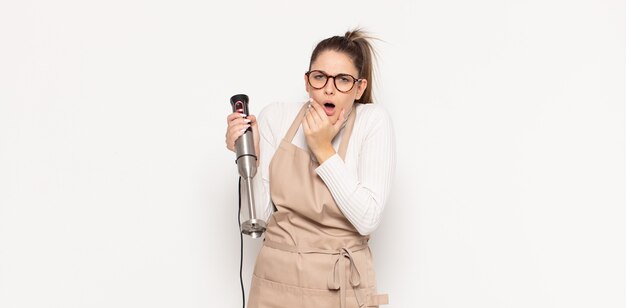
(116, 189)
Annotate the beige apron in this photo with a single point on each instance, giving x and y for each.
(312, 255)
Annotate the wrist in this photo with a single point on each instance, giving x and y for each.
(324, 153)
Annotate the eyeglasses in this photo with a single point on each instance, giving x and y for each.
(343, 82)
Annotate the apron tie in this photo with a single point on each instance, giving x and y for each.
(337, 277)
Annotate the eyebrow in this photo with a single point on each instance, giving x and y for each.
(335, 74)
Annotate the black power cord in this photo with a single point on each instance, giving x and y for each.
(243, 293)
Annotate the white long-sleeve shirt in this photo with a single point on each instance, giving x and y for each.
(360, 185)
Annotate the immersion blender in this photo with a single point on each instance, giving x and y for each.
(246, 163)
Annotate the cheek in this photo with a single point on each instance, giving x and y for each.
(316, 95)
(347, 104)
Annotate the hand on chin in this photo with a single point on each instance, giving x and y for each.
(319, 129)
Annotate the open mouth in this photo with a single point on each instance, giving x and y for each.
(329, 108)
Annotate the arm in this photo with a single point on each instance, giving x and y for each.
(362, 198)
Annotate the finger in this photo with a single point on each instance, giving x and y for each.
(252, 119)
(243, 128)
(234, 134)
(317, 112)
(342, 118)
(238, 122)
(234, 115)
(235, 129)
(309, 121)
(305, 126)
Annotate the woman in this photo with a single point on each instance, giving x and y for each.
(326, 168)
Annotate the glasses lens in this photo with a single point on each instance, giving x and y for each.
(317, 79)
(344, 83)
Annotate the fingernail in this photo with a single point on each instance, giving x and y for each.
(243, 115)
(247, 120)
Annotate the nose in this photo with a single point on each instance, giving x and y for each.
(329, 88)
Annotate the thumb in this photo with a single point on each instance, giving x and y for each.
(252, 119)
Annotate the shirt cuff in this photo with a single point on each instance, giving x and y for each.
(332, 170)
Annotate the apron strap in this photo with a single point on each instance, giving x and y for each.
(296, 123)
(308, 250)
(343, 147)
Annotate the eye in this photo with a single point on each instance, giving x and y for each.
(318, 76)
(345, 79)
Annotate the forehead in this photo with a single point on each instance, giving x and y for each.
(333, 62)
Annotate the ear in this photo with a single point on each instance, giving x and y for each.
(361, 88)
(306, 84)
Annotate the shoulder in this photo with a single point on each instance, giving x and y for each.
(280, 109)
(278, 115)
(373, 108)
(373, 115)
(277, 111)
